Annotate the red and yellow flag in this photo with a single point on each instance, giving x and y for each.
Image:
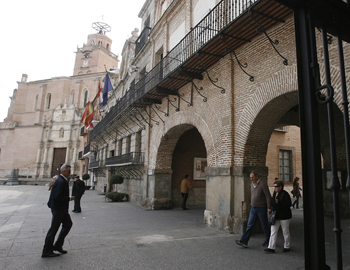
(88, 115)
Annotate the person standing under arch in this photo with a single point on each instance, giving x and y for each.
(185, 187)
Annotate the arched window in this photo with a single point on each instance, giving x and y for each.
(48, 101)
(72, 97)
(85, 98)
(35, 102)
(107, 47)
(61, 135)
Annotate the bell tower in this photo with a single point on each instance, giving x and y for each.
(96, 55)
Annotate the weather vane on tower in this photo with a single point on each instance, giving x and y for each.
(101, 27)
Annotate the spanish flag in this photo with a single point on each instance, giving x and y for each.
(87, 116)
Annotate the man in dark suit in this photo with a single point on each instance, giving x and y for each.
(78, 191)
(59, 203)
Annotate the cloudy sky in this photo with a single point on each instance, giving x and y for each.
(39, 37)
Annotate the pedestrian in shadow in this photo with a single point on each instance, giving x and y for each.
(296, 192)
(78, 191)
(185, 188)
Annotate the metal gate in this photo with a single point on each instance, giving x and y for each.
(332, 19)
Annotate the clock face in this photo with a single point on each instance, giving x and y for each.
(85, 63)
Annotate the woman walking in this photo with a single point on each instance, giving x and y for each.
(281, 203)
(296, 192)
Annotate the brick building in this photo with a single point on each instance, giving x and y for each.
(206, 94)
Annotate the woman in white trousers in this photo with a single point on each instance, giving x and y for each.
(281, 203)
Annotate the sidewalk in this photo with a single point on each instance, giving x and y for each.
(126, 236)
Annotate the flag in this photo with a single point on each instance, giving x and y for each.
(99, 95)
(99, 99)
(108, 87)
(87, 116)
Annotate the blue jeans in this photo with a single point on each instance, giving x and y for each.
(255, 214)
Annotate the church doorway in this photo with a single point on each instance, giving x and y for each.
(59, 158)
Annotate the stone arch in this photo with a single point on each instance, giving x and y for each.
(164, 142)
(278, 93)
(281, 88)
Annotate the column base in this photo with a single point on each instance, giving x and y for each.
(229, 224)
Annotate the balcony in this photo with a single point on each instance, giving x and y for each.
(86, 149)
(135, 158)
(227, 27)
(142, 39)
(94, 165)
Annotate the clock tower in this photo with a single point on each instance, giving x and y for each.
(96, 55)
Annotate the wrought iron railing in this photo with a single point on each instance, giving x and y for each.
(142, 39)
(224, 13)
(87, 149)
(94, 164)
(129, 158)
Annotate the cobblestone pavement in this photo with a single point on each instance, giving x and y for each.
(126, 236)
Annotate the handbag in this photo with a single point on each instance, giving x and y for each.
(272, 218)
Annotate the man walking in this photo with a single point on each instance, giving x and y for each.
(260, 204)
(58, 202)
(185, 187)
(78, 191)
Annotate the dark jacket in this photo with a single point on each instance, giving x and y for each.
(283, 207)
(78, 188)
(59, 196)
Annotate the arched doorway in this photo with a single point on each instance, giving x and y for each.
(189, 157)
(179, 149)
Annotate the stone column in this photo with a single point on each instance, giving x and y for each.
(219, 197)
(44, 163)
(159, 191)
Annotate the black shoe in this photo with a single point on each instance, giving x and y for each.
(265, 244)
(238, 242)
(48, 255)
(74, 211)
(60, 250)
(286, 249)
(269, 250)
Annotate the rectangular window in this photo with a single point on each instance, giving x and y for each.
(285, 165)
(111, 153)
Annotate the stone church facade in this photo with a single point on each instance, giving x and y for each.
(43, 128)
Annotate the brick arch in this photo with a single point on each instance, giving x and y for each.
(268, 103)
(164, 142)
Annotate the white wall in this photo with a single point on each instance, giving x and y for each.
(201, 9)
